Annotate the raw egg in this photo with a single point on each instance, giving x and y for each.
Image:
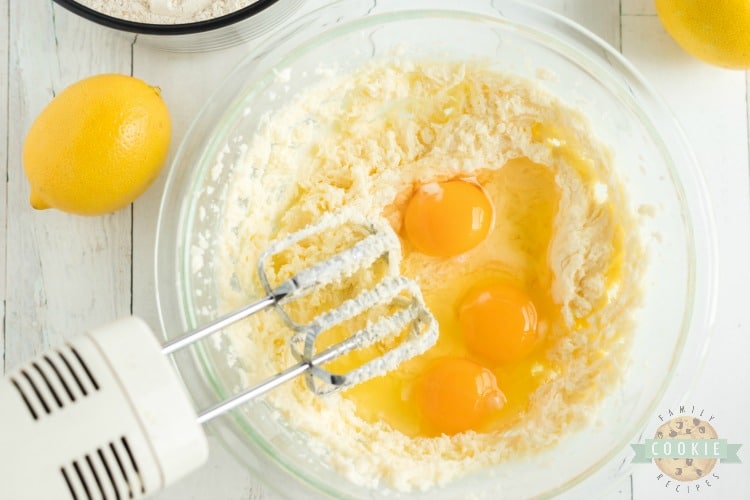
(444, 219)
(455, 395)
(498, 321)
(491, 354)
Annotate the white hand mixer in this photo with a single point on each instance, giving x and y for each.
(106, 417)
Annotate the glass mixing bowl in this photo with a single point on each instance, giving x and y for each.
(650, 155)
(239, 26)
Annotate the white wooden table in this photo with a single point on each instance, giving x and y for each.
(61, 274)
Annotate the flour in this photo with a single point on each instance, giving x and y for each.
(166, 11)
(358, 143)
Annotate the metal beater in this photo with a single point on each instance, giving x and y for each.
(105, 416)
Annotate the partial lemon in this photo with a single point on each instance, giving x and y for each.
(97, 145)
(715, 31)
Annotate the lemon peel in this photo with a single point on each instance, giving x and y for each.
(97, 145)
(716, 32)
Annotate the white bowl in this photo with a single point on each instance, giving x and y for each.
(248, 23)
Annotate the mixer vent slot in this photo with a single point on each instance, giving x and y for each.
(85, 367)
(36, 391)
(54, 381)
(25, 399)
(109, 474)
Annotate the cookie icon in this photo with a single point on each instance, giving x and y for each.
(686, 469)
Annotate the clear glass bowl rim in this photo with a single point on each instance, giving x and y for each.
(699, 314)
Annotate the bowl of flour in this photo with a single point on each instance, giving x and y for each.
(187, 25)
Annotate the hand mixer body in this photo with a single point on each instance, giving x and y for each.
(104, 416)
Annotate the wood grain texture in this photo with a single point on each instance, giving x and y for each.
(600, 17)
(64, 273)
(4, 118)
(710, 103)
(638, 7)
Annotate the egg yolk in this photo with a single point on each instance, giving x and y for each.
(498, 322)
(444, 219)
(455, 395)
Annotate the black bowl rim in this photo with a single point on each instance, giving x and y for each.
(166, 29)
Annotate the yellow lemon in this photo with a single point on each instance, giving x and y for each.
(715, 31)
(97, 145)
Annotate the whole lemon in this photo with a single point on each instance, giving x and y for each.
(715, 31)
(97, 145)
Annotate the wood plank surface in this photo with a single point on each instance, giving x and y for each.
(638, 7)
(4, 117)
(710, 104)
(600, 17)
(64, 273)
